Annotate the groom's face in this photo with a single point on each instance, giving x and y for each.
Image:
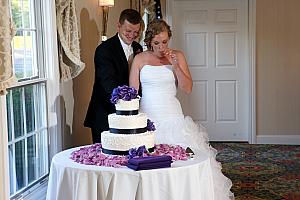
(128, 32)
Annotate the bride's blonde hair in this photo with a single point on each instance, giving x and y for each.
(154, 28)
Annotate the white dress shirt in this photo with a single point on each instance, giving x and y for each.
(127, 48)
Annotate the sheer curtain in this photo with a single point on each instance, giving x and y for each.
(7, 32)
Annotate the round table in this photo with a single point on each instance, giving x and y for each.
(184, 180)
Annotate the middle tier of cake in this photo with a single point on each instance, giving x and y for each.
(126, 132)
(126, 124)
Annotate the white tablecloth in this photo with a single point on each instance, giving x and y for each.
(185, 180)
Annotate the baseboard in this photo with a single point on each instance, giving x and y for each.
(278, 139)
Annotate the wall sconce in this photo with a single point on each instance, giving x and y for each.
(105, 4)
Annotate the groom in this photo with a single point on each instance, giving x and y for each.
(112, 70)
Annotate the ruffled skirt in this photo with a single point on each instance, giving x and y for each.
(185, 132)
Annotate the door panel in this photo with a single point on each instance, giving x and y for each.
(213, 35)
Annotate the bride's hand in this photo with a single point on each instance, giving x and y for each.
(172, 57)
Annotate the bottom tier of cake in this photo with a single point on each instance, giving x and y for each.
(120, 144)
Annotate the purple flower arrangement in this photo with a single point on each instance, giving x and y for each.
(138, 152)
(150, 125)
(92, 155)
(124, 92)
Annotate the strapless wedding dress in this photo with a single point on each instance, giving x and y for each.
(162, 107)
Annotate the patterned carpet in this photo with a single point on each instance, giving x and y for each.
(261, 172)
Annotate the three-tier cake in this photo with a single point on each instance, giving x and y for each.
(127, 127)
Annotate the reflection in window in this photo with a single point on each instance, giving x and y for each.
(28, 143)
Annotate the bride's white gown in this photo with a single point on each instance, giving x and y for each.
(162, 107)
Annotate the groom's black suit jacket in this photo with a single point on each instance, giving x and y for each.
(111, 71)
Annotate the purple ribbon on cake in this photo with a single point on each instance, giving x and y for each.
(116, 152)
(127, 112)
(128, 131)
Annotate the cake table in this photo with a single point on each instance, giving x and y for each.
(68, 180)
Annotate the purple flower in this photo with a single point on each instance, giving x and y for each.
(139, 152)
(150, 125)
(123, 92)
(132, 153)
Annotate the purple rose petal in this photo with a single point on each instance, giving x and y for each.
(92, 155)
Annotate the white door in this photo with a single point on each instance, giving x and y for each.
(213, 34)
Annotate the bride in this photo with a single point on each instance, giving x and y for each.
(160, 70)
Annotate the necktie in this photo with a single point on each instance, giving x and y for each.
(129, 56)
(128, 52)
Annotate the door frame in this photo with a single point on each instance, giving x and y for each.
(251, 62)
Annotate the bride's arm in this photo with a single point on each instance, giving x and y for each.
(182, 71)
(134, 75)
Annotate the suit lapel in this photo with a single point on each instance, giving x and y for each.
(120, 51)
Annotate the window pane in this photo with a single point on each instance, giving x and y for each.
(8, 109)
(12, 170)
(43, 153)
(42, 109)
(29, 108)
(31, 158)
(24, 54)
(16, 7)
(30, 55)
(20, 164)
(22, 13)
(26, 14)
(18, 54)
(18, 112)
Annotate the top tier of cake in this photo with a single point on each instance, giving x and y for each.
(127, 107)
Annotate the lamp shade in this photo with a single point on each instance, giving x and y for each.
(109, 3)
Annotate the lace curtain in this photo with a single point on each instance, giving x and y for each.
(68, 36)
(7, 32)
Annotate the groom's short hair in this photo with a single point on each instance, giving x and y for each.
(131, 15)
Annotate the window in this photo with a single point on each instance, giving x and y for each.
(26, 102)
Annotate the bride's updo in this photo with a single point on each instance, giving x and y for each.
(154, 28)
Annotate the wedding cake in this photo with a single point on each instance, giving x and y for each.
(127, 127)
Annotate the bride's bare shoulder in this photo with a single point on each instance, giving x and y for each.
(146, 54)
(144, 57)
(141, 59)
